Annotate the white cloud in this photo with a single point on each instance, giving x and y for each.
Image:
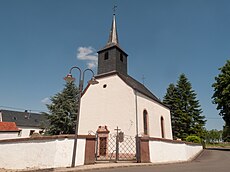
(46, 100)
(88, 54)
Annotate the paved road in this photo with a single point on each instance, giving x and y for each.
(211, 160)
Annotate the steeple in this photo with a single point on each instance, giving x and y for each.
(113, 38)
(112, 57)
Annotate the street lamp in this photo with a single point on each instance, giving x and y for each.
(70, 78)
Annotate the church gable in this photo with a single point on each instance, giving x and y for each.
(110, 103)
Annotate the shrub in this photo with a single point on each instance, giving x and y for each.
(193, 139)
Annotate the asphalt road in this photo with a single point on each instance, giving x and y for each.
(211, 160)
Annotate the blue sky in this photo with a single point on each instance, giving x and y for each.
(40, 40)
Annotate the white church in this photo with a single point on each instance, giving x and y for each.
(121, 101)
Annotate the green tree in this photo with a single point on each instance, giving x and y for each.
(213, 136)
(193, 139)
(187, 118)
(221, 96)
(62, 111)
(172, 101)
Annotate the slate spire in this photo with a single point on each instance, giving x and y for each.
(113, 38)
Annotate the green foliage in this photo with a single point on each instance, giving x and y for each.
(193, 139)
(213, 136)
(62, 111)
(226, 134)
(185, 109)
(221, 96)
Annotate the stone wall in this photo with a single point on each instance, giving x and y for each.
(157, 150)
(46, 152)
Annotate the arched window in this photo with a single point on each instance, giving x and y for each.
(145, 120)
(162, 128)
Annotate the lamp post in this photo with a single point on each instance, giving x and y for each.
(70, 78)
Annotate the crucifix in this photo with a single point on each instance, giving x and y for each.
(117, 144)
(114, 9)
(117, 129)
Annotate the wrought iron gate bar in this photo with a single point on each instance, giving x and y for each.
(106, 150)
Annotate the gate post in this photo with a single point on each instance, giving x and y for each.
(138, 149)
(144, 150)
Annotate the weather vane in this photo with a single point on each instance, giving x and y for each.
(114, 9)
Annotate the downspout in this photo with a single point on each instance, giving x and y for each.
(137, 138)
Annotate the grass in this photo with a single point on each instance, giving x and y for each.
(221, 145)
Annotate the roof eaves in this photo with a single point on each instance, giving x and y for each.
(142, 90)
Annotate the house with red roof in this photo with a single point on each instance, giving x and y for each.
(9, 130)
(24, 123)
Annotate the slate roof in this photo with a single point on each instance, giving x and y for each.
(26, 119)
(134, 84)
(8, 126)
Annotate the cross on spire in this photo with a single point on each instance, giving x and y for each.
(113, 38)
(114, 9)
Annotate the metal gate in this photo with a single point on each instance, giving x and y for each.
(116, 147)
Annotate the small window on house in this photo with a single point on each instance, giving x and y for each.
(145, 120)
(31, 132)
(104, 86)
(106, 57)
(121, 57)
(15, 118)
(162, 128)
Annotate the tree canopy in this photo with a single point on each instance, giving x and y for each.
(186, 114)
(221, 96)
(213, 136)
(63, 110)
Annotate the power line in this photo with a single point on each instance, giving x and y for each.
(21, 109)
(214, 118)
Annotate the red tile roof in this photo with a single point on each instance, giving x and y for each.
(8, 126)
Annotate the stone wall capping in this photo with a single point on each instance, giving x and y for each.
(168, 140)
(67, 136)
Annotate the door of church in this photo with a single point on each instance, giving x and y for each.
(103, 146)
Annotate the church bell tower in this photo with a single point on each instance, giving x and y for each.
(112, 57)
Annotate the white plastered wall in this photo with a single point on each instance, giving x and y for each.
(25, 131)
(8, 135)
(155, 112)
(115, 105)
(112, 106)
(40, 154)
(167, 152)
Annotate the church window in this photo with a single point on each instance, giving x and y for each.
(106, 57)
(145, 120)
(121, 57)
(162, 128)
